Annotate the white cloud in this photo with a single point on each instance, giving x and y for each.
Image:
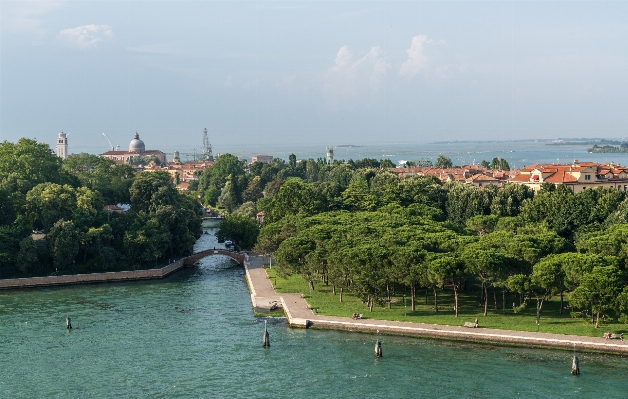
(355, 79)
(86, 36)
(157, 48)
(428, 58)
(26, 17)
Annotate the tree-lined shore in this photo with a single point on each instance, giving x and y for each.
(64, 201)
(364, 230)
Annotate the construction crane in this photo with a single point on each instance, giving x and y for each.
(108, 141)
(207, 147)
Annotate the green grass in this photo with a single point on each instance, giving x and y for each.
(323, 299)
(272, 313)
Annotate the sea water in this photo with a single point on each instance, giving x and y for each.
(518, 153)
(194, 335)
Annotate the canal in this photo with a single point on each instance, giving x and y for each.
(194, 335)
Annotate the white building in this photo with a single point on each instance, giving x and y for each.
(62, 145)
(136, 148)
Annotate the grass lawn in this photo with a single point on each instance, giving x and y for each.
(323, 299)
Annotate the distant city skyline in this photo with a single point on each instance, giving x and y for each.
(266, 74)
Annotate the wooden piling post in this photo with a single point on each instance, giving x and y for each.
(378, 348)
(575, 366)
(266, 343)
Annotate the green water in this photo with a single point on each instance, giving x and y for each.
(194, 335)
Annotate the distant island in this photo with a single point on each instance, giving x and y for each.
(623, 147)
(593, 142)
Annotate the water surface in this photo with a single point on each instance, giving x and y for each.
(194, 335)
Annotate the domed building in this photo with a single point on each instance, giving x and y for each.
(136, 148)
(137, 145)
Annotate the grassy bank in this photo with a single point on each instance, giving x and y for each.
(323, 299)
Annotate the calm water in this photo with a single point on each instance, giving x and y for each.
(518, 154)
(194, 335)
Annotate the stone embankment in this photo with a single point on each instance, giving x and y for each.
(108, 277)
(92, 277)
(299, 314)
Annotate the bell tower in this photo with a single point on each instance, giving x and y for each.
(62, 145)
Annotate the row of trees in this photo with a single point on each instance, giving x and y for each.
(380, 232)
(64, 200)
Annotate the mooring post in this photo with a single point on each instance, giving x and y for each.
(378, 346)
(575, 364)
(266, 343)
(68, 322)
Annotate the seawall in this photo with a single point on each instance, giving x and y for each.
(107, 277)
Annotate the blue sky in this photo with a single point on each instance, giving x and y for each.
(265, 73)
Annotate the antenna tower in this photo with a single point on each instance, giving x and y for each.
(207, 147)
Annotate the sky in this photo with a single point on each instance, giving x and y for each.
(268, 73)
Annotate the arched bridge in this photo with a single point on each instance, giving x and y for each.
(192, 259)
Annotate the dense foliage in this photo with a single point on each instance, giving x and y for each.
(64, 201)
(368, 231)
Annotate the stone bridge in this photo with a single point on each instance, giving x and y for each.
(192, 259)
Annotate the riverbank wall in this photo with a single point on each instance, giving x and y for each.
(107, 277)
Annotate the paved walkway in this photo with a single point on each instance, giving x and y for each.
(299, 314)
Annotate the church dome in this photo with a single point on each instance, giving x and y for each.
(136, 144)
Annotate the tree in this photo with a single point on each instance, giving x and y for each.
(27, 257)
(27, 163)
(499, 163)
(242, 230)
(295, 197)
(423, 162)
(443, 162)
(488, 264)
(254, 190)
(466, 200)
(228, 197)
(509, 199)
(247, 209)
(226, 165)
(547, 276)
(63, 241)
(151, 190)
(600, 289)
(451, 270)
(47, 203)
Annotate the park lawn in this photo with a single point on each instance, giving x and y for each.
(323, 299)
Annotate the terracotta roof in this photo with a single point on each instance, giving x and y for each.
(561, 177)
(521, 178)
(481, 177)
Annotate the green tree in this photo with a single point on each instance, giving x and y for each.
(151, 190)
(600, 289)
(47, 203)
(443, 162)
(27, 163)
(63, 241)
(242, 230)
(547, 277)
(448, 270)
(295, 197)
(509, 199)
(27, 256)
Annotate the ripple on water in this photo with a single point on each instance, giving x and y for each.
(194, 335)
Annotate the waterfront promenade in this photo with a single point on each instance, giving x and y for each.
(299, 314)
